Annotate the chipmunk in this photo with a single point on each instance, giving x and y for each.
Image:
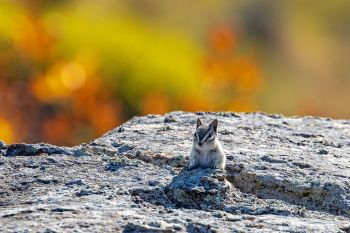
(206, 149)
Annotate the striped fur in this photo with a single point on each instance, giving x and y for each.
(206, 150)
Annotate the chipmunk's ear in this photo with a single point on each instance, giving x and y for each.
(214, 124)
(199, 123)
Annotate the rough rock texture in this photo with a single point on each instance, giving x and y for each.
(283, 174)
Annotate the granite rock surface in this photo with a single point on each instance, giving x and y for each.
(282, 174)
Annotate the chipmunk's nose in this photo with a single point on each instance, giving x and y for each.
(200, 143)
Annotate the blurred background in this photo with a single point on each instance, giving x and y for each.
(71, 70)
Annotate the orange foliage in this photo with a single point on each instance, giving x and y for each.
(232, 79)
(6, 132)
(65, 103)
(66, 100)
(33, 39)
(58, 129)
(196, 102)
(60, 81)
(222, 39)
(88, 102)
(156, 103)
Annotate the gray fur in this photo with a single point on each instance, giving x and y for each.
(206, 149)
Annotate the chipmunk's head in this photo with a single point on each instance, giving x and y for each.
(205, 135)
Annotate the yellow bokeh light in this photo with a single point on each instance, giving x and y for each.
(60, 81)
(6, 131)
(73, 76)
(55, 86)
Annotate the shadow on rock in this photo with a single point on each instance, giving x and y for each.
(208, 189)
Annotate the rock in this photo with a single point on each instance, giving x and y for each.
(169, 119)
(2, 148)
(199, 189)
(75, 182)
(22, 149)
(282, 175)
(2, 145)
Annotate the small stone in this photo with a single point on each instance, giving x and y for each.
(234, 167)
(177, 227)
(233, 218)
(166, 128)
(169, 119)
(153, 182)
(169, 211)
(84, 193)
(48, 230)
(323, 152)
(138, 153)
(218, 215)
(2, 145)
(251, 218)
(75, 182)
